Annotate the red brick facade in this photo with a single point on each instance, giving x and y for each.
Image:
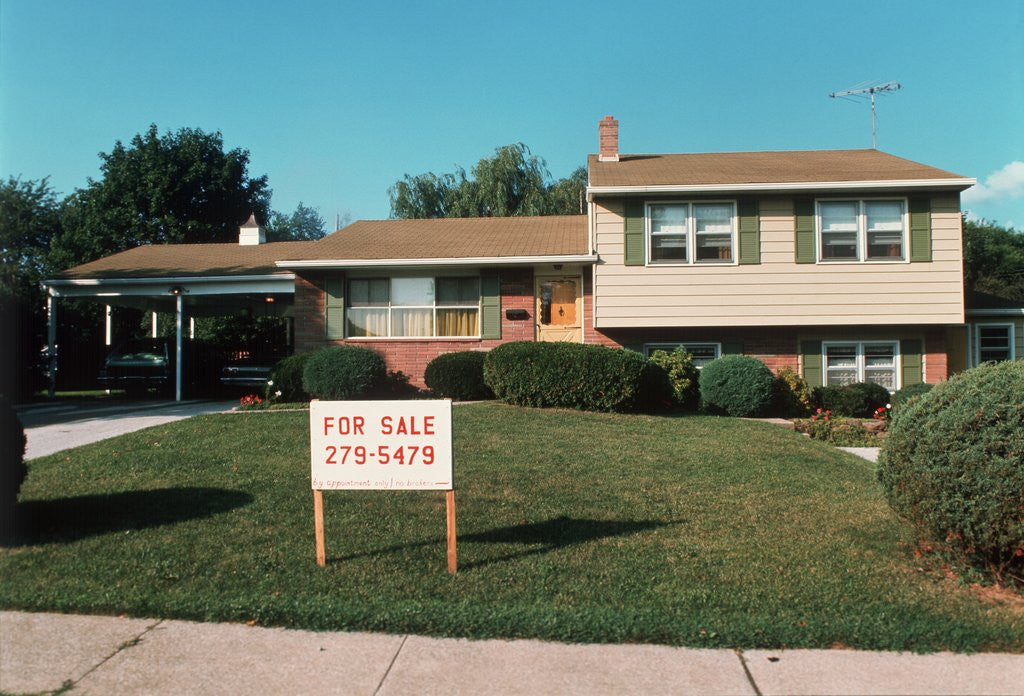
(777, 347)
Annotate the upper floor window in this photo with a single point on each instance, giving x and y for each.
(413, 307)
(862, 230)
(691, 232)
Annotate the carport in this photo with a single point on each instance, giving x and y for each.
(187, 280)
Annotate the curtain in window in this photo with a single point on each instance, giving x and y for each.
(412, 322)
(367, 322)
(457, 322)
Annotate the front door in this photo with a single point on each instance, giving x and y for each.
(558, 309)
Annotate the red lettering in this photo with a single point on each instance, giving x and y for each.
(385, 425)
(357, 425)
(328, 421)
(428, 425)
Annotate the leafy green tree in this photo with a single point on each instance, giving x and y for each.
(512, 182)
(303, 224)
(994, 259)
(177, 187)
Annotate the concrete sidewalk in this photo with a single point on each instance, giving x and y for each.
(109, 655)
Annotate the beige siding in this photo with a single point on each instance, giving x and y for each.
(779, 291)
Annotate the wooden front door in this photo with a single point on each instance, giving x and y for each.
(558, 310)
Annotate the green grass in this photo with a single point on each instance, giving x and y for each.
(572, 526)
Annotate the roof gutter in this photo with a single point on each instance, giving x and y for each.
(466, 261)
(165, 279)
(958, 183)
(995, 311)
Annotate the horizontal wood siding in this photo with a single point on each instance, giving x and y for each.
(778, 291)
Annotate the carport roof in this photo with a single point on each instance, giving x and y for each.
(187, 260)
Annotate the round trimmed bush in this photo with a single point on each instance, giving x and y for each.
(12, 465)
(681, 374)
(858, 400)
(458, 375)
(737, 385)
(287, 378)
(342, 372)
(953, 465)
(905, 394)
(568, 375)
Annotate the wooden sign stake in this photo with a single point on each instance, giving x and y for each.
(318, 527)
(449, 499)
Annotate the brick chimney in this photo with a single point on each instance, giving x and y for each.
(251, 232)
(608, 132)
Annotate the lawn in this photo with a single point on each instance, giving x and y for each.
(572, 526)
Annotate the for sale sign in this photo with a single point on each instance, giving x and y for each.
(381, 445)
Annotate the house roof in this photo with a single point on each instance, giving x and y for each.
(187, 260)
(981, 301)
(451, 238)
(750, 168)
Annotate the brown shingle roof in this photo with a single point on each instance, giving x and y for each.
(552, 235)
(725, 168)
(185, 260)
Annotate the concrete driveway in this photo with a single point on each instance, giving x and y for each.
(52, 427)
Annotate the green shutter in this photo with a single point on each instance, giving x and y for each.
(803, 213)
(734, 348)
(334, 307)
(633, 240)
(812, 362)
(490, 305)
(920, 229)
(910, 357)
(750, 232)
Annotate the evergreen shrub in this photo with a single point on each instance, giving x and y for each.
(12, 465)
(736, 385)
(287, 379)
(953, 465)
(343, 372)
(458, 375)
(792, 397)
(858, 400)
(569, 375)
(901, 397)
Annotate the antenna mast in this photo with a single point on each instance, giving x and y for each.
(860, 92)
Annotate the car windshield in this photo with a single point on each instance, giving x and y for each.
(139, 352)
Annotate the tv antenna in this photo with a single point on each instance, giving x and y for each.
(859, 91)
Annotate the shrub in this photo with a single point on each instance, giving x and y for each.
(859, 400)
(287, 379)
(953, 465)
(395, 385)
(458, 375)
(681, 375)
(792, 397)
(12, 465)
(342, 372)
(567, 375)
(736, 385)
(905, 394)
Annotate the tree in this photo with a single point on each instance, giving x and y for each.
(29, 221)
(178, 187)
(994, 259)
(513, 182)
(303, 224)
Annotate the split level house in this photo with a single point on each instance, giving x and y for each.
(843, 265)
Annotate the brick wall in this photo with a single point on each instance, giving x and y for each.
(936, 357)
(412, 355)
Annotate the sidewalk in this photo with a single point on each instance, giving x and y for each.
(109, 655)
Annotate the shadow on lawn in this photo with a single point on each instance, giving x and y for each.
(70, 519)
(536, 537)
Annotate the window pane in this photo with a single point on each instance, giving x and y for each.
(666, 248)
(458, 291)
(839, 230)
(379, 291)
(412, 322)
(841, 376)
(358, 292)
(879, 355)
(713, 217)
(993, 343)
(839, 245)
(884, 215)
(714, 247)
(668, 219)
(367, 322)
(841, 356)
(885, 377)
(457, 322)
(412, 291)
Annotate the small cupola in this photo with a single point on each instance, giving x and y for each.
(251, 232)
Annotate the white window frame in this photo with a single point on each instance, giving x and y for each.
(435, 306)
(691, 234)
(862, 231)
(897, 359)
(668, 347)
(976, 336)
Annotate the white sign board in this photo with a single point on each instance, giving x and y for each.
(381, 445)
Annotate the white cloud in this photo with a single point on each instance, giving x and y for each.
(1006, 183)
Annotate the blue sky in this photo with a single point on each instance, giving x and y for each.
(335, 101)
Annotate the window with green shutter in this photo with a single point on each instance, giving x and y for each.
(803, 213)
(920, 229)
(749, 231)
(490, 305)
(634, 253)
(912, 364)
(811, 354)
(334, 307)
